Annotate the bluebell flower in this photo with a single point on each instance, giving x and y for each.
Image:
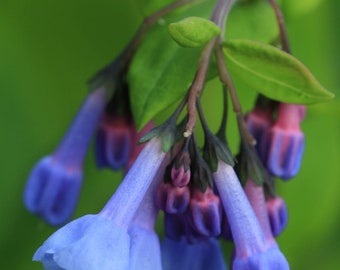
(287, 142)
(201, 255)
(258, 122)
(54, 184)
(172, 199)
(252, 252)
(90, 242)
(257, 201)
(114, 142)
(205, 212)
(112, 238)
(278, 214)
(141, 230)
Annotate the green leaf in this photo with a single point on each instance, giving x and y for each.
(193, 31)
(254, 20)
(161, 71)
(273, 73)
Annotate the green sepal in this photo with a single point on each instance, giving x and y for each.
(166, 132)
(249, 166)
(201, 175)
(215, 149)
(193, 32)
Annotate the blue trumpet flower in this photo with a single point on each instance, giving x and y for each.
(253, 251)
(113, 238)
(54, 184)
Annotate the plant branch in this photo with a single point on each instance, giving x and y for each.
(227, 81)
(218, 16)
(281, 24)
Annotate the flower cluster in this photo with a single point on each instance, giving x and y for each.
(204, 199)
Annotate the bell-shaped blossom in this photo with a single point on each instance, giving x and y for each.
(258, 123)
(114, 142)
(53, 186)
(205, 212)
(287, 142)
(141, 230)
(252, 252)
(257, 200)
(110, 239)
(90, 242)
(201, 255)
(172, 199)
(278, 214)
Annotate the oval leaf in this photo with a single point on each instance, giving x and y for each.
(161, 71)
(273, 73)
(193, 31)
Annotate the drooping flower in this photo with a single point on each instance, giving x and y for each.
(172, 199)
(54, 184)
(287, 142)
(252, 252)
(278, 214)
(114, 142)
(259, 121)
(141, 230)
(257, 200)
(78, 245)
(205, 212)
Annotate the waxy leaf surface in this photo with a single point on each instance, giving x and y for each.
(272, 72)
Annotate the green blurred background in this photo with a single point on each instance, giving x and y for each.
(48, 50)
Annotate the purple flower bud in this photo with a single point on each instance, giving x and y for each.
(113, 142)
(278, 215)
(172, 199)
(179, 176)
(287, 142)
(53, 186)
(180, 171)
(253, 252)
(205, 212)
(258, 122)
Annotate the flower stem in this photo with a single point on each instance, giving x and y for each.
(281, 24)
(218, 16)
(227, 81)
